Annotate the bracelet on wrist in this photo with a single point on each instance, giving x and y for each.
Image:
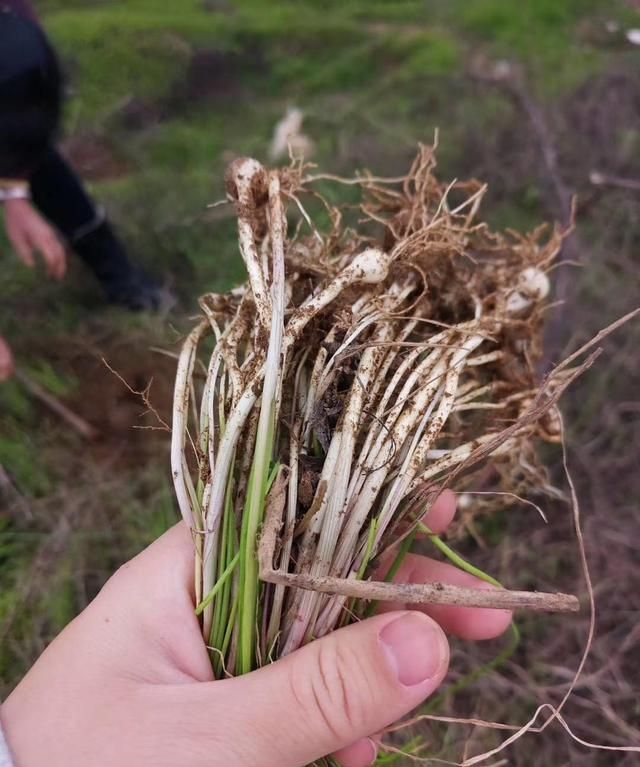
(13, 189)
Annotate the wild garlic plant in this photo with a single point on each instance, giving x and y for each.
(355, 373)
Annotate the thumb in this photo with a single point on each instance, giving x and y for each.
(332, 692)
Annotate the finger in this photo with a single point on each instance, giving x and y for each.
(24, 251)
(465, 622)
(330, 694)
(441, 514)
(7, 368)
(159, 582)
(437, 519)
(52, 253)
(166, 566)
(362, 753)
(57, 258)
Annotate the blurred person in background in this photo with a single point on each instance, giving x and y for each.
(46, 208)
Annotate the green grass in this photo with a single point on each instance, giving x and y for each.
(385, 65)
(127, 50)
(48, 572)
(19, 454)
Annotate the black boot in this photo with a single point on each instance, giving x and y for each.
(123, 283)
(60, 196)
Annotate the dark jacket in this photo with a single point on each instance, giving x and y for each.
(30, 90)
(20, 8)
(22, 41)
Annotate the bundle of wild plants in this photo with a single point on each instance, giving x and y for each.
(356, 373)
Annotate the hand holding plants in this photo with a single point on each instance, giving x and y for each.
(129, 682)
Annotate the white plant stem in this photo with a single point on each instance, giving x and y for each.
(334, 517)
(292, 501)
(182, 481)
(263, 451)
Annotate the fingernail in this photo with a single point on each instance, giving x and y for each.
(416, 648)
(362, 753)
(373, 751)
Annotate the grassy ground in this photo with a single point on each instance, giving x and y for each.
(161, 96)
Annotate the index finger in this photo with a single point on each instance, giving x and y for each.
(54, 256)
(437, 519)
(441, 514)
(466, 622)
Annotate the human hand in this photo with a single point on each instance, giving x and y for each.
(129, 682)
(7, 367)
(29, 233)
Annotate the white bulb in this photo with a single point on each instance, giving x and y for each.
(247, 167)
(534, 283)
(371, 266)
(517, 303)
